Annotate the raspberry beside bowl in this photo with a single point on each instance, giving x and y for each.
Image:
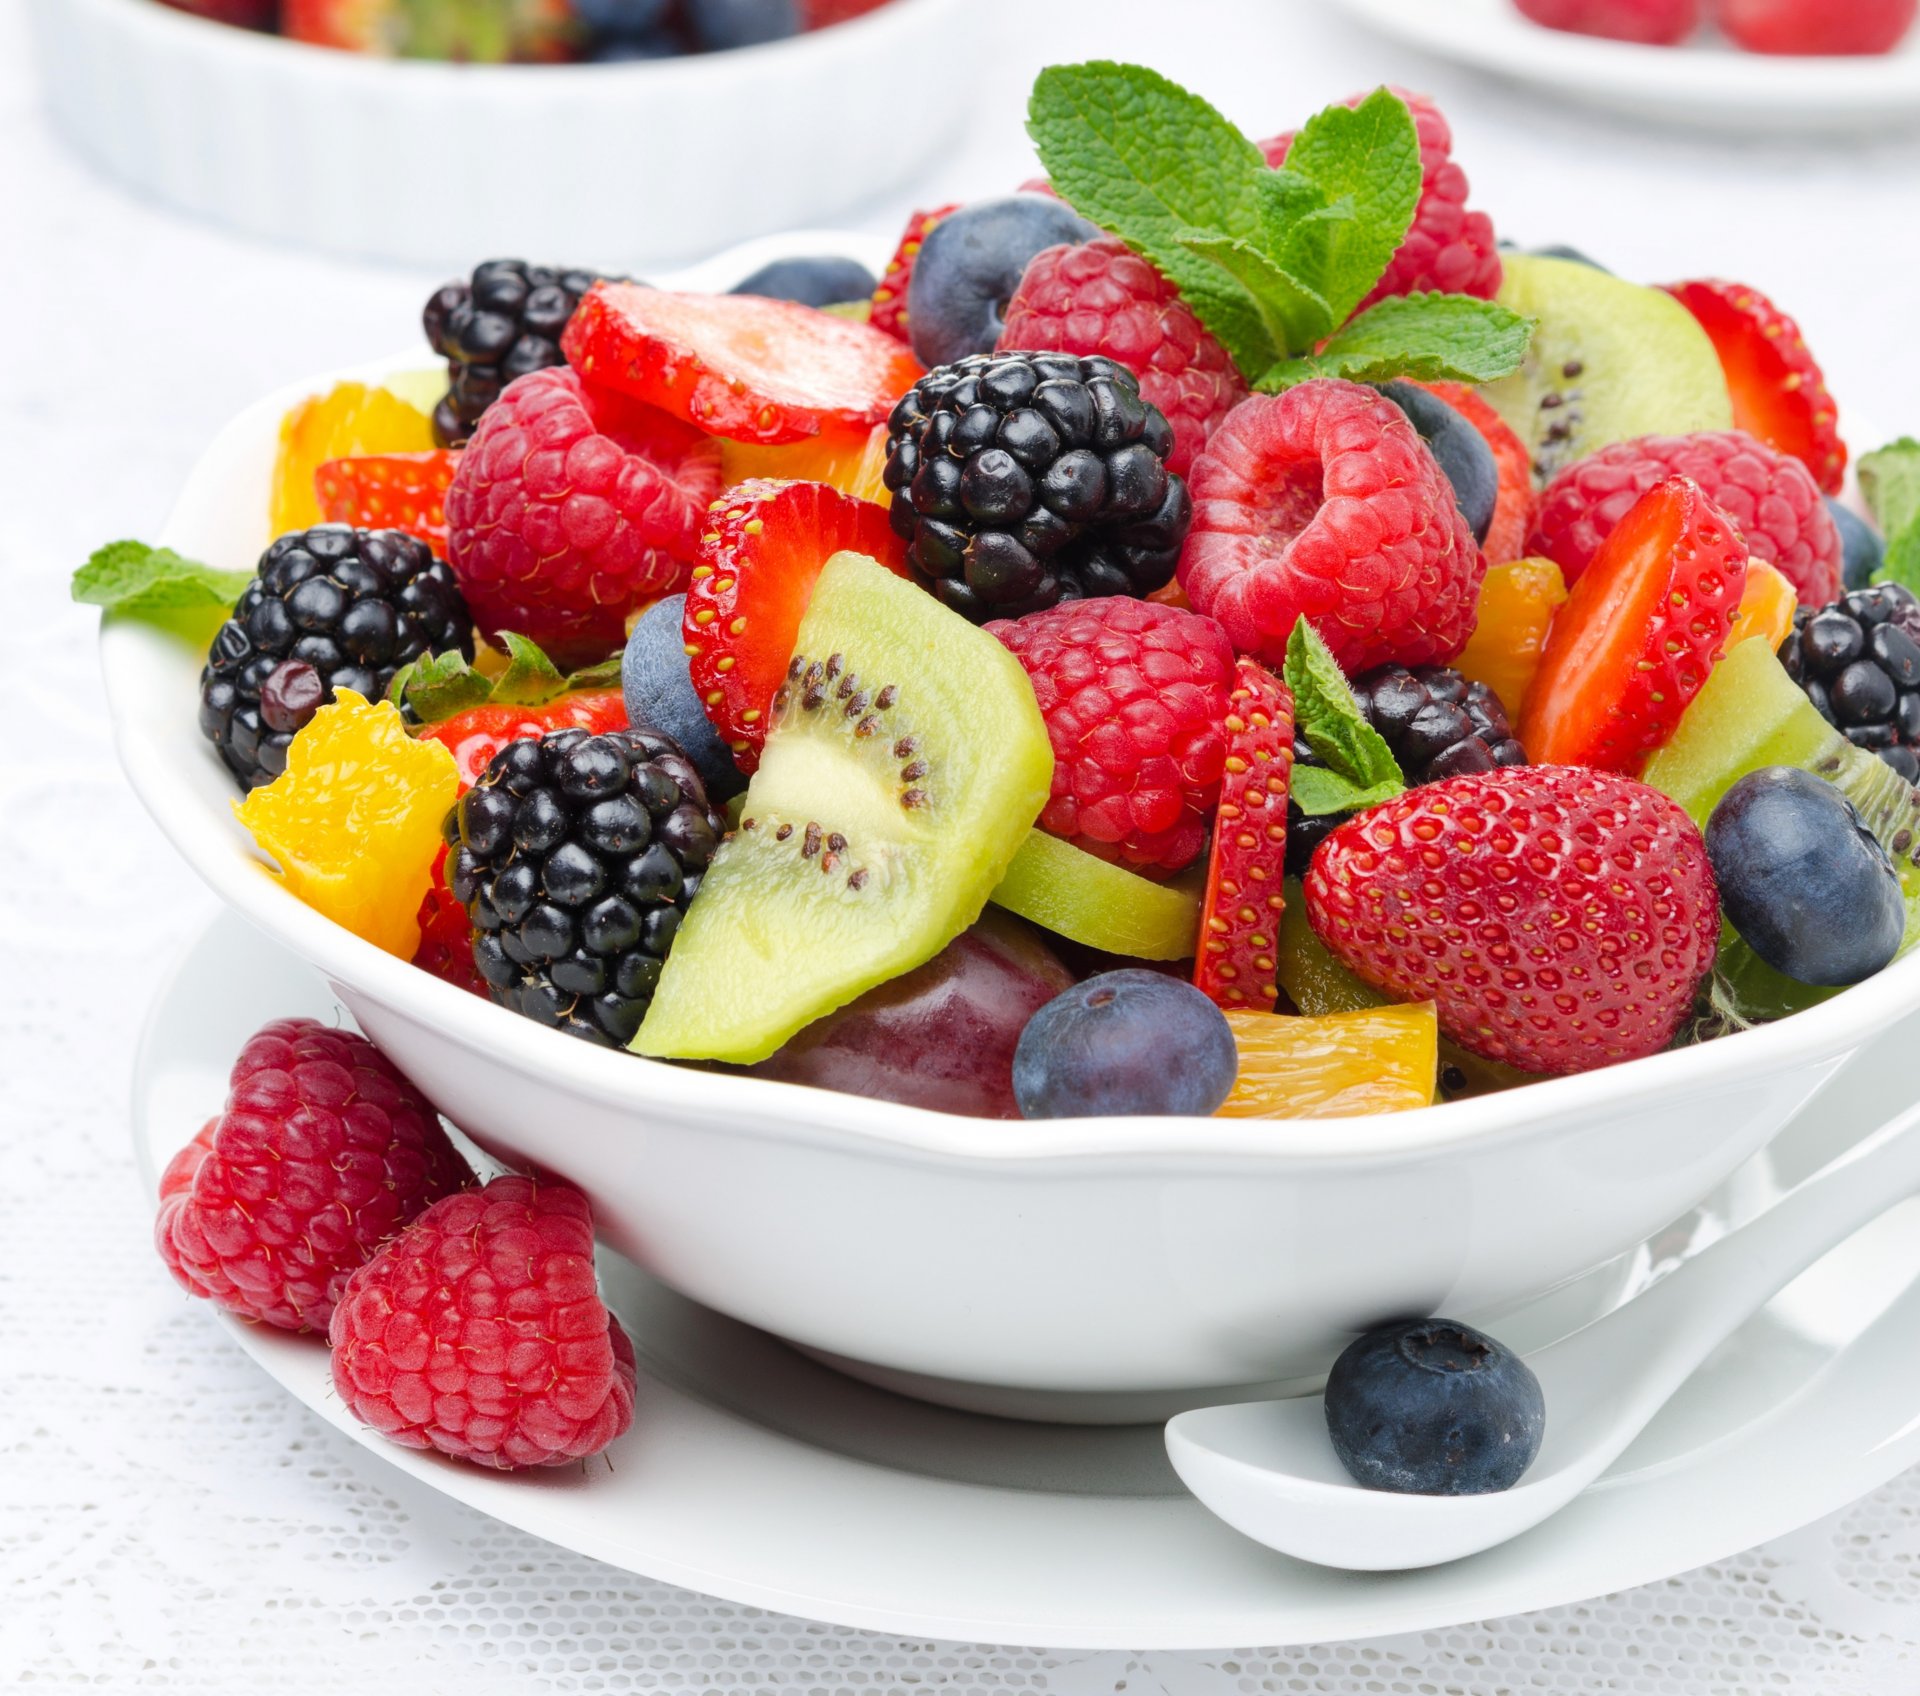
(967, 1258)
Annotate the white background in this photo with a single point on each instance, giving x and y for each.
(169, 1521)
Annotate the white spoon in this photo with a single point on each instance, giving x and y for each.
(1269, 1470)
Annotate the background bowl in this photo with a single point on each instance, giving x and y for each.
(1136, 1262)
(437, 165)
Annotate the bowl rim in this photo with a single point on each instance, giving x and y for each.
(150, 745)
(168, 25)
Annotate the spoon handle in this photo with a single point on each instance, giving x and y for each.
(1653, 1344)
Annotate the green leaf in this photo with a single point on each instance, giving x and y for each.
(1367, 158)
(1146, 159)
(1432, 338)
(156, 584)
(437, 686)
(530, 677)
(1286, 197)
(1293, 315)
(1890, 480)
(1360, 770)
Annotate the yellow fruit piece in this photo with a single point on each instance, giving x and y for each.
(851, 460)
(350, 418)
(354, 821)
(1766, 607)
(1517, 604)
(1336, 1065)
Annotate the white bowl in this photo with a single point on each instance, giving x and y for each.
(438, 165)
(977, 1261)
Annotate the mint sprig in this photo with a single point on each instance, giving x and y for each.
(1890, 481)
(1272, 262)
(1359, 769)
(138, 581)
(438, 686)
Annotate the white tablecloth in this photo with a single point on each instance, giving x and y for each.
(168, 1519)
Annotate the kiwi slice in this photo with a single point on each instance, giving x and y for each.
(1750, 714)
(905, 764)
(1075, 895)
(1314, 980)
(1609, 360)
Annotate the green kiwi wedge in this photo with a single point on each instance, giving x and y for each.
(1609, 360)
(905, 763)
(1068, 891)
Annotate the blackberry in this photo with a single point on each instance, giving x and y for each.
(328, 608)
(1021, 480)
(503, 322)
(1858, 659)
(575, 856)
(1437, 725)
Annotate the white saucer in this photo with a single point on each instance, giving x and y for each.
(1705, 85)
(760, 1476)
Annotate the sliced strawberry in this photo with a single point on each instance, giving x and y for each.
(389, 491)
(765, 544)
(479, 733)
(1638, 634)
(1779, 392)
(738, 365)
(1240, 920)
(1513, 506)
(890, 296)
(446, 935)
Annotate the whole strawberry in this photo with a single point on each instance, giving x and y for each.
(1323, 503)
(1103, 298)
(1651, 23)
(322, 1151)
(479, 1331)
(1561, 919)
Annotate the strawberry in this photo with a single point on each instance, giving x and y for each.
(889, 310)
(1513, 507)
(1638, 634)
(476, 735)
(1816, 26)
(1559, 919)
(1779, 393)
(1239, 952)
(389, 491)
(446, 936)
(738, 365)
(764, 546)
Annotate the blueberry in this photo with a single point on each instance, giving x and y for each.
(1802, 880)
(1132, 1041)
(819, 280)
(970, 266)
(1431, 1407)
(660, 694)
(636, 49)
(719, 24)
(1460, 448)
(625, 19)
(1862, 551)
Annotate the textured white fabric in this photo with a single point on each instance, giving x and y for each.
(168, 1519)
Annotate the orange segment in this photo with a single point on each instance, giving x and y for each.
(1372, 1060)
(850, 460)
(354, 821)
(1517, 604)
(1766, 607)
(349, 419)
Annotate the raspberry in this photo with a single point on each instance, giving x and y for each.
(572, 507)
(1770, 498)
(1461, 893)
(322, 1151)
(1651, 23)
(1102, 298)
(479, 1331)
(889, 311)
(1448, 248)
(1134, 696)
(1324, 503)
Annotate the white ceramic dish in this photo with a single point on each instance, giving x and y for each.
(662, 161)
(1705, 85)
(1163, 1259)
(753, 1474)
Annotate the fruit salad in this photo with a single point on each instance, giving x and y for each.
(1240, 640)
(531, 31)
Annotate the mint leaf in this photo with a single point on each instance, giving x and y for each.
(437, 686)
(1294, 316)
(1144, 158)
(1360, 770)
(1286, 197)
(1432, 338)
(1366, 159)
(1890, 480)
(137, 581)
